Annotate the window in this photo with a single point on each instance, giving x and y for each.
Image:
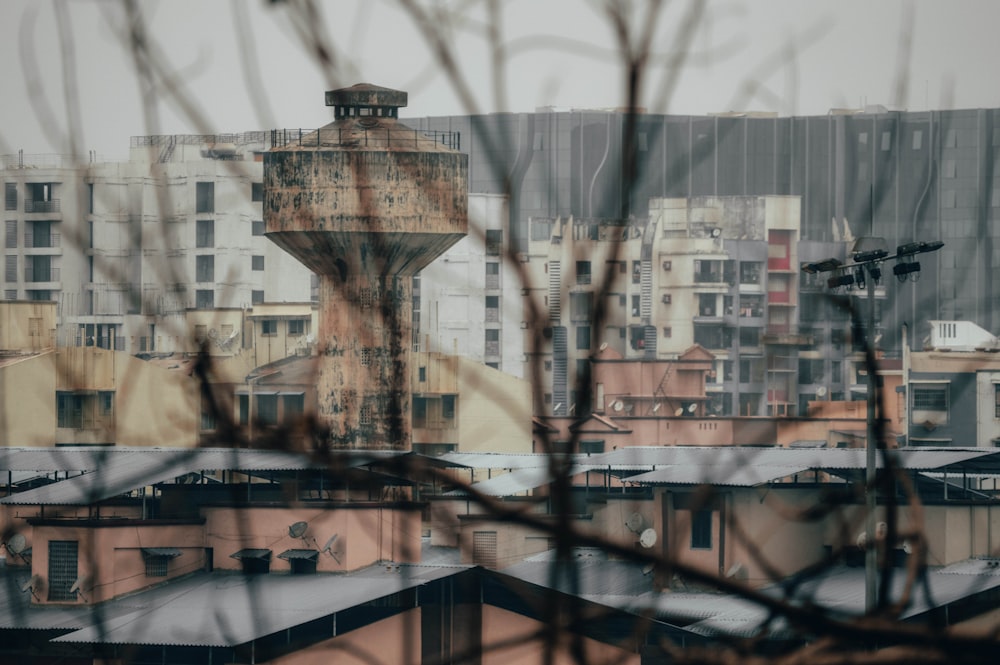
(492, 338)
(157, 560)
(204, 197)
(10, 195)
(422, 374)
(257, 227)
(583, 272)
(750, 272)
(365, 415)
(492, 275)
(296, 327)
(256, 192)
(257, 262)
(448, 407)
(749, 336)
(62, 569)
(583, 338)
(996, 400)
(207, 419)
(493, 309)
(707, 272)
(294, 405)
(204, 299)
(810, 370)
(668, 331)
(494, 242)
(918, 139)
(10, 241)
(204, 268)
(930, 398)
(591, 447)
(419, 411)
(366, 356)
(257, 297)
(69, 410)
(90, 198)
(204, 233)
(701, 529)
(268, 327)
(580, 306)
(10, 268)
(706, 304)
(267, 409)
(484, 549)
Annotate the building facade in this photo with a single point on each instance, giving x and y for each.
(898, 175)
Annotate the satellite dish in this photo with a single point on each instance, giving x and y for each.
(647, 538)
(603, 346)
(734, 570)
(618, 405)
(634, 522)
(862, 540)
(692, 407)
(656, 407)
(79, 583)
(16, 543)
(328, 545)
(821, 392)
(907, 547)
(679, 412)
(647, 569)
(298, 529)
(32, 582)
(716, 232)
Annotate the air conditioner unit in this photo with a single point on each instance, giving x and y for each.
(667, 265)
(666, 298)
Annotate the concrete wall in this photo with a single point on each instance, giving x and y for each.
(365, 535)
(393, 640)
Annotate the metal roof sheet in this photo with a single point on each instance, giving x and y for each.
(727, 475)
(594, 576)
(215, 609)
(497, 460)
(517, 481)
(116, 471)
(171, 552)
(251, 553)
(288, 555)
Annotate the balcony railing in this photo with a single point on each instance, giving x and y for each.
(52, 205)
(396, 134)
(32, 274)
(42, 241)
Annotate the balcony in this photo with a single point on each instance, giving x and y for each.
(50, 205)
(34, 274)
(42, 240)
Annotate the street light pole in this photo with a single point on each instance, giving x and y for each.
(865, 271)
(871, 448)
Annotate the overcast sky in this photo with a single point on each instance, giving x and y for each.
(789, 56)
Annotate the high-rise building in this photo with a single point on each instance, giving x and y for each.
(898, 175)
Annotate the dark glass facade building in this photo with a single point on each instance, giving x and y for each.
(900, 176)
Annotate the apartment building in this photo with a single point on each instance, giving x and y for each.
(719, 272)
(898, 175)
(125, 247)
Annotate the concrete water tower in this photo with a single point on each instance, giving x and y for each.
(365, 203)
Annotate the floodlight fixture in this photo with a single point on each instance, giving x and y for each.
(870, 255)
(840, 280)
(876, 273)
(826, 265)
(909, 269)
(859, 277)
(919, 247)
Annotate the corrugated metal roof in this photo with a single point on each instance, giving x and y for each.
(251, 553)
(112, 472)
(497, 460)
(594, 576)
(171, 552)
(517, 481)
(811, 458)
(728, 475)
(288, 555)
(213, 609)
